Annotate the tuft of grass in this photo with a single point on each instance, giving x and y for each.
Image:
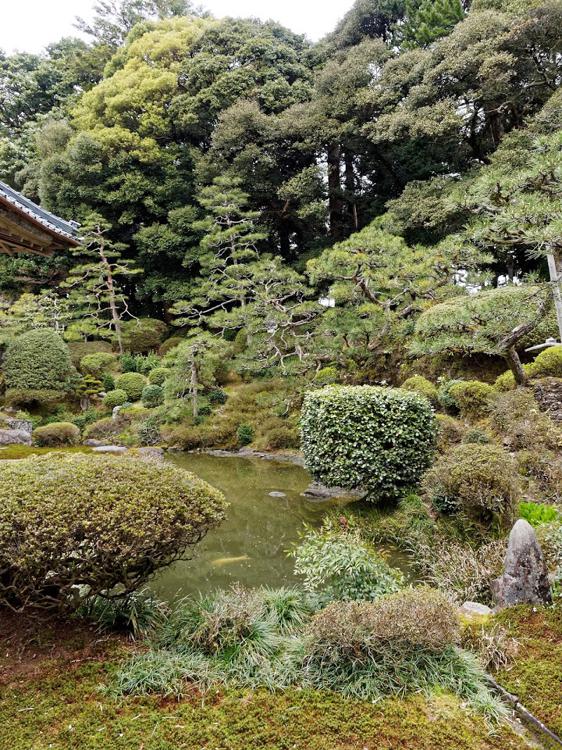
(138, 613)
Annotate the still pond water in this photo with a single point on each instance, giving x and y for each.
(251, 543)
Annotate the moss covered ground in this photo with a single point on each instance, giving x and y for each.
(51, 698)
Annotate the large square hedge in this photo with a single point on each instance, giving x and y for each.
(366, 437)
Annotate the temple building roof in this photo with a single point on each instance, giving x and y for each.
(26, 227)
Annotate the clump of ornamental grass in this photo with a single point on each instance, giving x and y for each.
(403, 643)
(336, 563)
(138, 614)
(493, 645)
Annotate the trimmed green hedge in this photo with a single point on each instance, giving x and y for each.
(69, 520)
(366, 437)
(57, 433)
(116, 397)
(152, 396)
(132, 383)
(38, 360)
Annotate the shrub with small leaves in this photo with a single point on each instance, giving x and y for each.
(169, 344)
(132, 383)
(142, 335)
(218, 396)
(446, 401)
(516, 416)
(158, 375)
(377, 439)
(96, 364)
(32, 398)
(152, 396)
(326, 376)
(549, 363)
(479, 480)
(108, 382)
(421, 385)
(99, 522)
(118, 397)
(472, 397)
(56, 434)
(282, 437)
(337, 564)
(38, 360)
(476, 436)
(449, 431)
(245, 434)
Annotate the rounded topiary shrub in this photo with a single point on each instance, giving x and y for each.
(365, 437)
(79, 349)
(132, 383)
(158, 375)
(472, 397)
(98, 363)
(38, 360)
(548, 362)
(421, 385)
(57, 433)
(478, 480)
(98, 522)
(152, 396)
(114, 398)
(143, 334)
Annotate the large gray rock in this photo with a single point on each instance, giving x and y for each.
(117, 450)
(15, 437)
(474, 610)
(20, 424)
(525, 576)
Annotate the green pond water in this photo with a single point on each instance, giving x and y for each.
(251, 543)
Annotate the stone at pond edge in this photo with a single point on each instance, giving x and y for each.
(525, 576)
(277, 494)
(15, 437)
(474, 610)
(116, 449)
(320, 491)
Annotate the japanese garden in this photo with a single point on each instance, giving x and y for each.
(281, 380)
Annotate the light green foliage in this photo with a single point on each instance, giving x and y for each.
(429, 20)
(472, 397)
(158, 375)
(152, 396)
(98, 363)
(114, 398)
(377, 439)
(168, 345)
(548, 363)
(337, 564)
(132, 383)
(421, 385)
(56, 434)
(143, 335)
(100, 522)
(477, 480)
(538, 513)
(38, 360)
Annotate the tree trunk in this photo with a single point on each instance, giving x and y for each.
(112, 302)
(335, 198)
(194, 386)
(555, 270)
(514, 363)
(350, 191)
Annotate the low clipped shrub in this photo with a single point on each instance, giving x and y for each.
(34, 398)
(337, 564)
(476, 435)
(98, 363)
(104, 523)
(106, 428)
(478, 480)
(149, 431)
(326, 376)
(472, 397)
(516, 416)
(152, 396)
(449, 431)
(423, 386)
(57, 434)
(544, 469)
(158, 375)
(79, 349)
(377, 439)
(132, 383)
(245, 434)
(142, 335)
(548, 363)
(506, 381)
(108, 382)
(282, 437)
(143, 363)
(38, 360)
(114, 398)
(169, 344)
(444, 397)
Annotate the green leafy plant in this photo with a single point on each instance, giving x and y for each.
(472, 397)
(114, 398)
(132, 383)
(152, 396)
(158, 375)
(245, 434)
(139, 613)
(538, 513)
(56, 434)
(423, 386)
(549, 362)
(98, 363)
(103, 523)
(377, 439)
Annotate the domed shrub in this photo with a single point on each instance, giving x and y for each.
(449, 431)
(57, 433)
(169, 344)
(326, 376)
(158, 375)
(516, 416)
(105, 523)
(143, 334)
(479, 480)
(364, 437)
(472, 397)
(106, 428)
(421, 385)
(34, 398)
(446, 401)
(114, 398)
(282, 437)
(152, 396)
(476, 436)
(97, 364)
(79, 349)
(218, 396)
(132, 383)
(506, 381)
(548, 362)
(38, 360)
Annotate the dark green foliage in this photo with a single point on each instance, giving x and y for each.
(69, 520)
(38, 360)
(377, 439)
(143, 335)
(97, 364)
(158, 375)
(116, 397)
(152, 396)
(245, 434)
(139, 613)
(56, 434)
(429, 20)
(217, 396)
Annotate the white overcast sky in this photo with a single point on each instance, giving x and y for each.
(28, 25)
